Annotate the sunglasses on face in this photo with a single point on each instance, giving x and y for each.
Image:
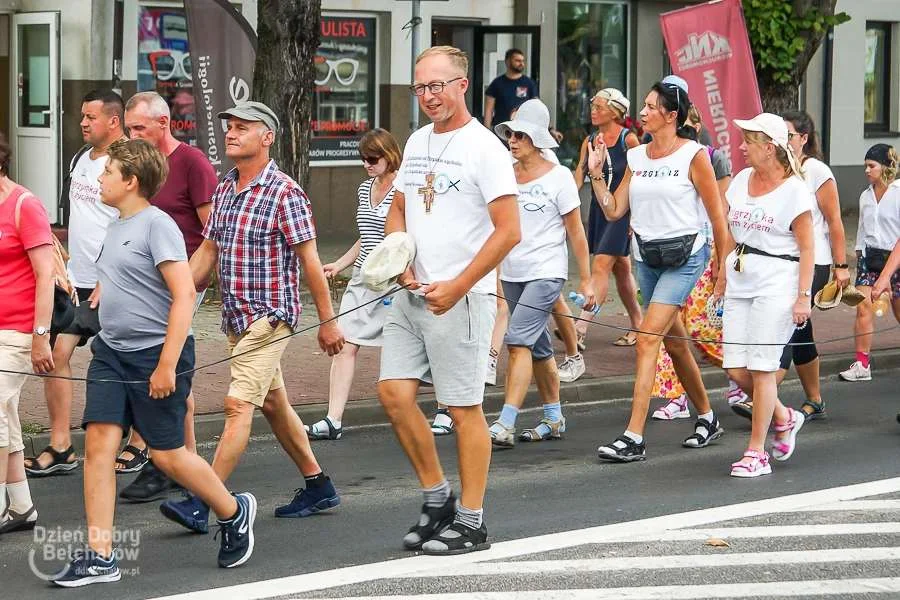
(371, 160)
(515, 135)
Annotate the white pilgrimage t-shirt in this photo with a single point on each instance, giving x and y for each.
(764, 222)
(879, 221)
(542, 253)
(816, 174)
(471, 169)
(88, 220)
(664, 202)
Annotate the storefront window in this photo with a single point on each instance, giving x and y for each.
(344, 97)
(592, 54)
(878, 75)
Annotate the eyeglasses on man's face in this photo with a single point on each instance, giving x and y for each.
(435, 87)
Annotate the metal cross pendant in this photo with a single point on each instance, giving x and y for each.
(427, 192)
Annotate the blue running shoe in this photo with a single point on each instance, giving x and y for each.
(237, 534)
(190, 512)
(87, 568)
(309, 501)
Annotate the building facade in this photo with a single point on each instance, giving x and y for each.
(53, 51)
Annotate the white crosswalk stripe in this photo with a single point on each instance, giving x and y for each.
(789, 547)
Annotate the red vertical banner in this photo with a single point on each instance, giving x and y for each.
(708, 46)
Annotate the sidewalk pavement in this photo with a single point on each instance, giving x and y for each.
(306, 367)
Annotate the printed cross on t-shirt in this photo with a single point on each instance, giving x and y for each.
(427, 192)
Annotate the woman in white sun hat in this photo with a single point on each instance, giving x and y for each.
(535, 270)
(766, 281)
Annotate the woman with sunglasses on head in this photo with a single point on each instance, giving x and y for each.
(362, 326)
(766, 281)
(666, 185)
(877, 234)
(534, 271)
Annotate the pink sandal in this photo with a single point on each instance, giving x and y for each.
(758, 465)
(785, 441)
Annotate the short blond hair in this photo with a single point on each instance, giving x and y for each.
(457, 57)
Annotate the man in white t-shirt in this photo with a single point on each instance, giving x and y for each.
(456, 197)
(102, 118)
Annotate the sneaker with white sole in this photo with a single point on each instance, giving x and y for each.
(857, 372)
(571, 368)
(491, 377)
(675, 409)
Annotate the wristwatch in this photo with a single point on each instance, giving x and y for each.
(806, 293)
(41, 330)
(841, 266)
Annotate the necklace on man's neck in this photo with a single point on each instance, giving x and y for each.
(427, 191)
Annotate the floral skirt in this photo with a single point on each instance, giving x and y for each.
(693, 315)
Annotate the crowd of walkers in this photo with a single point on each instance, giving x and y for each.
(731, 262)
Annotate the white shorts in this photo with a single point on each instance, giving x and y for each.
(752, 321)
(15, 355)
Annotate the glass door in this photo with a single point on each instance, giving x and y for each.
(491, 44)
(35, 106)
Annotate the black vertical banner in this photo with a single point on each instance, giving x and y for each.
(223, 54)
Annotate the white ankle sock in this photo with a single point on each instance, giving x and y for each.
(336, 423)
(637, 439)
(19, 496)
(708, 417)
(2, 498)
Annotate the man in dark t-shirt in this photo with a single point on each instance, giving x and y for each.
(508, 91)
(186, 196)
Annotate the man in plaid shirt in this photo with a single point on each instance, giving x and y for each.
(258, 236)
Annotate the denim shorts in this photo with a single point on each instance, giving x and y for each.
(671, 285)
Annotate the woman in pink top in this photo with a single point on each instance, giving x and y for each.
(26, 307)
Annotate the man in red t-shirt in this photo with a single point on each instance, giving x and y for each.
(186, 196)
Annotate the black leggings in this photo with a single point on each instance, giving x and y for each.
(803, 355)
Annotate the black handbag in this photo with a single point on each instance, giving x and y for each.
(876, 259)
(668, 253)
(63, 310)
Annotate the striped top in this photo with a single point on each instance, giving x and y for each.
(370, 220)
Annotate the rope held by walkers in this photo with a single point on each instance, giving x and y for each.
(498, 296)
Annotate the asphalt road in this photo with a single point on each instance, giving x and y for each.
(534, 489)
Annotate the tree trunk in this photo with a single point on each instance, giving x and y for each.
(779, 97)
(288, 32)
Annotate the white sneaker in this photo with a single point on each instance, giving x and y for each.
(571, 369)
(491, 377)
(857, 372)
(675, 409)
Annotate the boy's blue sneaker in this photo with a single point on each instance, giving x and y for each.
(191, 513)
(237, 534)
(309, 501)
(88, 568)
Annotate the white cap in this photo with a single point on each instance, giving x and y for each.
(388, 260)
(615, 97)
(774, 127)
(533, 119)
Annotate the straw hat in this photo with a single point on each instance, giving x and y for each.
(388, 260)
(829, 296)
(852, 296)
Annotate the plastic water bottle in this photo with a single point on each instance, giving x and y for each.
(578, 299)
(883, 304)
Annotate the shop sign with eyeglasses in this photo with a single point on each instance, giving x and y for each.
(344, 95)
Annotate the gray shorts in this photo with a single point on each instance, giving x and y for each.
(527, 326)
(451, 351)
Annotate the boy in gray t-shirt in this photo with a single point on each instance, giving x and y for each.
(142, 367)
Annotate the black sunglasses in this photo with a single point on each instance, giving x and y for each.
(516, 135)
(371, 160)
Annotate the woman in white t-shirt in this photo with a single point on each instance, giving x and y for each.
(877, 234)
(533, 273)
(666, 185)
(363, 319)
(766, 280)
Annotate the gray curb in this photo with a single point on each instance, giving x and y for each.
(369, 411)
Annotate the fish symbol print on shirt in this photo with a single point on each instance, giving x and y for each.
(534, 199)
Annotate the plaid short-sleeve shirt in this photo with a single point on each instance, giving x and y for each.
(255, 229)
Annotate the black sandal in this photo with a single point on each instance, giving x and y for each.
(60, 462)
(701, 439)
(817, 412)
(137, 461)
(743, 408)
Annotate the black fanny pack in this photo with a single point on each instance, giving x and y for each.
(667, 253)
(876, 259)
